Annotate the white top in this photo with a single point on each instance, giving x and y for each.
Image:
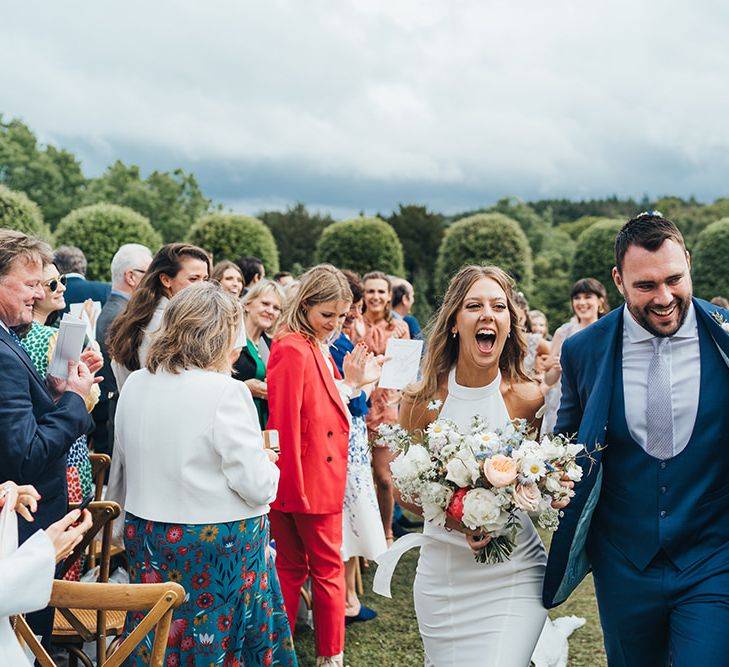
(121, 373)
(683, 354)
(188, 449)
(26, 578)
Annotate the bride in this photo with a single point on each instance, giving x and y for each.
(471, 613)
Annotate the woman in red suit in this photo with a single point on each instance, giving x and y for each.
(307, 402)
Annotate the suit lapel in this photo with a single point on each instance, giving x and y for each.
(706, 313)
(21, 354)
(327, 377)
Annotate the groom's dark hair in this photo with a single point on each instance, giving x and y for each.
(647, 230)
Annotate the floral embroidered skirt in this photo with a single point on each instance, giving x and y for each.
(234, 612)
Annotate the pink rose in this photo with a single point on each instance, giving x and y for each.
(527, 497)
(455, 509)
(500, 470)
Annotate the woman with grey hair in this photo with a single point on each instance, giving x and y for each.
(195, 481)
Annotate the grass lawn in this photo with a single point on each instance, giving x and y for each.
(392, 640)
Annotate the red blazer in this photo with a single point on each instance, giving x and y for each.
(304, 406)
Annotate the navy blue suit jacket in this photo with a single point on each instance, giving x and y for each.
(36, 433)
(80, 289)
(588, 360)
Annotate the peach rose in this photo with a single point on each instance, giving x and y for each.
(527, 497)
(500, 470)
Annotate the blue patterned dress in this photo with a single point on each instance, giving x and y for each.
(234, 613)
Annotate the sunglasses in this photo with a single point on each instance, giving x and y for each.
(52, 285)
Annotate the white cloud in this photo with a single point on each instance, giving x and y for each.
(537, 98)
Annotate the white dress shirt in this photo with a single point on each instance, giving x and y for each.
(685, 363)
(188, 449)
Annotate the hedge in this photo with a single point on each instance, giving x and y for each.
(18, 212)
(485, 238)
(710, 261)
(362, 245)
(595, 256)
(100, 229)
(232, 236)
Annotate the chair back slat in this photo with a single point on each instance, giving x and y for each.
(100, 463)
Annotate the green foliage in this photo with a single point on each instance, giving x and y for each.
(485, 238)
(361, 244)
(51, 177)
(567, 210)
(20, 213)
(534, 225)
(232, 236)
(172, 202)
(553, 279)
(296, 232)
(595, 256)
(100, 229)
(575, 228)
(710, 261)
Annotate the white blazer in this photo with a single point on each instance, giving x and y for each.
(26, 578)
(188, 449)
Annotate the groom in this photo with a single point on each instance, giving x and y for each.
(649, 386)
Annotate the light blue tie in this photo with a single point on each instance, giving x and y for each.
(659, 413)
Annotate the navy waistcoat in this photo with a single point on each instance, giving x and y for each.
(679, 506)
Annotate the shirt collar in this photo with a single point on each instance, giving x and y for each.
(71, 274)
(120, 293)
(4, 326)
(637, 334)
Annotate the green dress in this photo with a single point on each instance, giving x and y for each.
(260, 403)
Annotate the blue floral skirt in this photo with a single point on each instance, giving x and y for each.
(233, 613)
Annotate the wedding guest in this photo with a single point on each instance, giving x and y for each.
(174, 267)
(26, 572)
(538, 323)
(284, 278)
(252, 269)
(537, 347)
(307, 402)
(40, 417)
(645, 389)
(262, 308)
(362, 532)
(195, 481)
(229, 276)
(721, 302)
(380, 326)
(71, 262)
(128, 266)
(403, 298)
(39, 341)
(589, 303)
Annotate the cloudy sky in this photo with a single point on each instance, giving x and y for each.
(359, 105)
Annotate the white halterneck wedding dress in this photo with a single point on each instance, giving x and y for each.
(473, 613)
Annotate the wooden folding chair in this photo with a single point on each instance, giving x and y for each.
(74, 627)
(99, 465)
(159, 600)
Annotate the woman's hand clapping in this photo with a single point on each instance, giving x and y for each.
(362, 367)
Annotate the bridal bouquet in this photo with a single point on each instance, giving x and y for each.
(480, 478)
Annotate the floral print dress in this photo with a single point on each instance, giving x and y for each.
(233, 614)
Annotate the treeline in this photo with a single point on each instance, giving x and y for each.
(546, 244)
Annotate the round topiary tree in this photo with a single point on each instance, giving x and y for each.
(709, 261)
(100, 229)
(595, 256)
(18, 212)
(232, 236)
(362, 245)
(485, 238)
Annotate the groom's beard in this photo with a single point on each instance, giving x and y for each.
(643, 316)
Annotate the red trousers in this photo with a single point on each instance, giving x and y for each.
(310, 545)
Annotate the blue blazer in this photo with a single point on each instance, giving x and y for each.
(588, 361)
(36, 433)
(80, 289)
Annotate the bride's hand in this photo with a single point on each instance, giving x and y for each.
(477, 541)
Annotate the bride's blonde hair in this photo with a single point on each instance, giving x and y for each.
(443, 348)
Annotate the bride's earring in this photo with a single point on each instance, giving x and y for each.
(455, 333)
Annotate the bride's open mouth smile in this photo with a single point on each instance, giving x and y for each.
(485, 340)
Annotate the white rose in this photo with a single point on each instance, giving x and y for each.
(551, 450)
(551, 483)
(434, 512)
(573, 449)
(463, 469)
(574, 472)
(481, 509)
